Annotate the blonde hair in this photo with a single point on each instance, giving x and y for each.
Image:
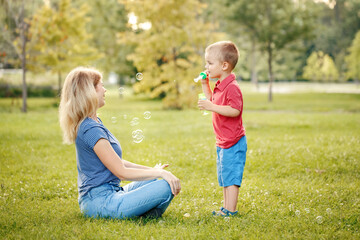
(78, 100)
(225, 51)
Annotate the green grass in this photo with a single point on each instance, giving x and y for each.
(302, 163)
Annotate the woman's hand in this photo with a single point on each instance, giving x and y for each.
(161, 166)
(173, 181)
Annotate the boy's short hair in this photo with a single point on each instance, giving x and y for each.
(226, 51)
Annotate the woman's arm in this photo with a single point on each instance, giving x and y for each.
(134, 165)
(138, 166)
(119, 168)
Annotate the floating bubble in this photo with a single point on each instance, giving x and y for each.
(297, 212)
(138, 136)
(113, 119)
(125, 116)
(307, 210)
(147, 115)
(139, 76)
(319, 219)
(121, 90)
(134, 121)
(328, 210)
(187, 215)
(291, 207)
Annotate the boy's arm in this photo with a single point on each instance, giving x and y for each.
(226, 111)
(206, 88)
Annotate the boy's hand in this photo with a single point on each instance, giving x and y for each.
(206, 80)
(205, 105)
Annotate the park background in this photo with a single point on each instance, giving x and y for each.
(299, 72)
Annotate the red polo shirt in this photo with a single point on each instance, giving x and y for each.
(228, 130)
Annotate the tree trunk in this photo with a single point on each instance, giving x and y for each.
(254, 78)
(59, 83)
(269, 49)
(23, 57)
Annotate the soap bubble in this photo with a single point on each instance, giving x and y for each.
(139, 76)
(297, 212)
(134, 121)
(328, 210)
(291, 207)
(138, 136)
(319, 219)
(147, 115)
(307, 210)
(113, 119)
(121, 90)
(187, 215)
(125, 116)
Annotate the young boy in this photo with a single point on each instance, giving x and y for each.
(226, 103)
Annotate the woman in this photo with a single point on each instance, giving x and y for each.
(99, 157)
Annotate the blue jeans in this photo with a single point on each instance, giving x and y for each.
(145, 198)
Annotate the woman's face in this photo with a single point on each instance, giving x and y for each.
(100, 91)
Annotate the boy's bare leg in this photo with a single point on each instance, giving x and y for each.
(231, 194)
(225, 197)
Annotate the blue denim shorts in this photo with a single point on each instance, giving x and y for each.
(230, 163)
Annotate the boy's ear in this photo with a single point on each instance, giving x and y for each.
(225, 66)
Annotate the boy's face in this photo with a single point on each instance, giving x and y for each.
(214, 66)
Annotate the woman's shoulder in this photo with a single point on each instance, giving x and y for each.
(89, 123)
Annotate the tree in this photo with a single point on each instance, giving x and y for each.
(59, 40)
(320, 67)
(15, 32)
(108, 17)
(336, 26)
(353, 59)
(169, 54)
(272, 24)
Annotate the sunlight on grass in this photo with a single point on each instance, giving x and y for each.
(301, 178)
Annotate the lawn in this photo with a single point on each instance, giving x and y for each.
(301, 179)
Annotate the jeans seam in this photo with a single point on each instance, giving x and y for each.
(138, 206)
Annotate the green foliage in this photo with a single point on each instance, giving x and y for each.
(320, 67)
(170, 53)
(32, 91)
(353, 59)
(108, 17)
(302, 163)
(59, 40)
(272, 25)
(336, 26)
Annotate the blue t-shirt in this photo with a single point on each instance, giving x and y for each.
(91, 171)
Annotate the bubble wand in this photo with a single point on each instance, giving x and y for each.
(203, 97)
(202, 75)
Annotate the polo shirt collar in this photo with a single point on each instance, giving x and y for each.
(223, 84)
